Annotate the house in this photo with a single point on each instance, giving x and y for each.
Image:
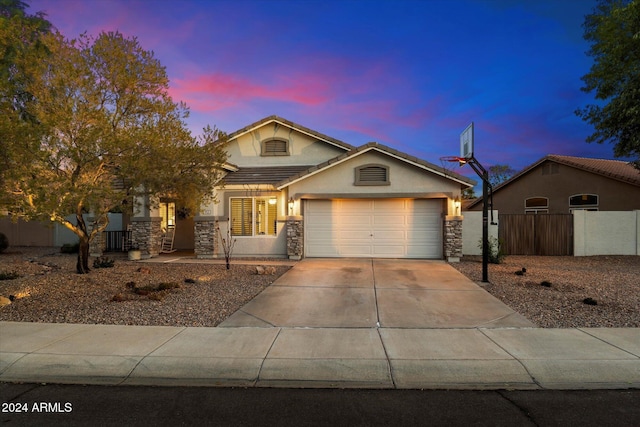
(562, 184)
(290, 191)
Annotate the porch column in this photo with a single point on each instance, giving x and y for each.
(205, 238)
(99, 244)
(146, 234)
(295, 237)
(453, 238)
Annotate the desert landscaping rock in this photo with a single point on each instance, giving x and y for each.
(105, 295)
(552, 291)
(209, 293)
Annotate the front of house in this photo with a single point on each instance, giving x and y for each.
(292, 192)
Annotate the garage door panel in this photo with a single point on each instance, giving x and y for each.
(392, 228)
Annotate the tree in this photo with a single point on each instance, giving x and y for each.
(101, 129)
(613, 29)
(20, 36)
(500, 173)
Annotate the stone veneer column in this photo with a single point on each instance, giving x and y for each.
(295, 237)
(453, 238)
(97, 245)
(146, 234)
(205, 236)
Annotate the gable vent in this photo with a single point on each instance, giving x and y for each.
(372, 175)
(275, 147)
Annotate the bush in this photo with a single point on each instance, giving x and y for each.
(4, 242)
(496, 253)
(70, 248)
(8, 275)
(103, 262)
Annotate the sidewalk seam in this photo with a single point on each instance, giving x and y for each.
(264, 359)
(535, 381)
(128, 376)
(607, 342)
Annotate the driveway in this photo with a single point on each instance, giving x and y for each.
(369, 293)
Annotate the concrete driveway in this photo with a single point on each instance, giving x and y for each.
(369, 293)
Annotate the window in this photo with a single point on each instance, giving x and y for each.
(587, 202)
(536, 205)
(372, 175)
(168, 214)
(275, 147)
(253, 216)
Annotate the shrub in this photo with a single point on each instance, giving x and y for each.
(496, 253)
(8, 275)
(4, 242)
(103, 262)
(70, 248)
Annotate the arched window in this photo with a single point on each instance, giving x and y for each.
(372, 175)
(275, 147)
(536, 205)
(587, 202)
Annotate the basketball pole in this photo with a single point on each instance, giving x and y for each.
(482, 173)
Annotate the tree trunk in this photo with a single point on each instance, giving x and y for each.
(82, 266)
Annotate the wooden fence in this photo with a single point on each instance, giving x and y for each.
(536, 234)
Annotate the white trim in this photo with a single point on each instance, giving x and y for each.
(366, 150)
(315, 136)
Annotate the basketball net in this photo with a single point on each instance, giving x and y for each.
(449, 163)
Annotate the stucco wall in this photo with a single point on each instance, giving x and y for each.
(303, 149)
(404, 179)
(558, 187)
(472, 231)
(606, 233)
(272, 246)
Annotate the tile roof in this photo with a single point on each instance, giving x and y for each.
(614, 169)
(262, 175)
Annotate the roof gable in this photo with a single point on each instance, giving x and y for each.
(612, 169)
(284, 122)
(374, 146)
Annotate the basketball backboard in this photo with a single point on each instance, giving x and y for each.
(466, 142)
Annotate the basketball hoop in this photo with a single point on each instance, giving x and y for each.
(448, 163)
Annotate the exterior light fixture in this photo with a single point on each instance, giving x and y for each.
(456, 204)
(291, 206)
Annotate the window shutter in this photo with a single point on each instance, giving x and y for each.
(241, 217)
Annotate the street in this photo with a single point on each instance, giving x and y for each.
(77, 405)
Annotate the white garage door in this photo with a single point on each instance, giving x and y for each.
(385, 228)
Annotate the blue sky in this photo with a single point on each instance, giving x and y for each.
(408, 74)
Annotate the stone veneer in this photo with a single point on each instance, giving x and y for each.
(98, 245)
(295, 237)
(453, 238)
(205, 244)
(146, 234)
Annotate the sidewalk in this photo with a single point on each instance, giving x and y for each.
(474, 358)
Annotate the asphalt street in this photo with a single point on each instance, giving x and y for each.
(76, 405)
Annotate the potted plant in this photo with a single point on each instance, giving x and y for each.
(134, 253)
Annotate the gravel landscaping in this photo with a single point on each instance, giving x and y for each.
(551, 293)
(129, 293)
(565, 292)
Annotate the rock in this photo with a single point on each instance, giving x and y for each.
(204, 279)
(261, 269)
(144, 270)
(4, 301)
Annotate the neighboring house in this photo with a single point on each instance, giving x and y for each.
(561, 184)
(292, 192)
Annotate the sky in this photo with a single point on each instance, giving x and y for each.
(410, 74)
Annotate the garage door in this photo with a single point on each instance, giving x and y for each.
(387, 228)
